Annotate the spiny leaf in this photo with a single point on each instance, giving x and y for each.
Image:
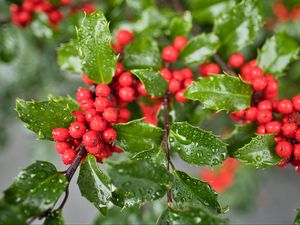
(181, 26)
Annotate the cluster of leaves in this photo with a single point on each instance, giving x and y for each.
(141, 176)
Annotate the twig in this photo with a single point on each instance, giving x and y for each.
(223, 65)
(5, 21)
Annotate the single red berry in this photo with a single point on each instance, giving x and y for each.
(245, 72)
(126, 94)
(86, 104)
(180, 42)
(89, 114)
(98, 123)
(289, 129)
(187, 82)
(265, 105)
(278, 138)
(261, 129)
(206, 69)
(102, 103)
(55, 16)
(28, 6)
(169, 54)
(87, 80)
(117, 47)
(284, 149)
(79, 116)
(95, 150)
(110, 114)
(174, 85)
(179, 96)
(68, 156)
(76, 143)
(296, 102)
(259, 84)
(124, 36)
(119, 69)
(264, 116)
(77, 129)
(91, 138)
(14, 8)
(296, 151)
(24, 18)
(61, 147)
(109, 135)
(124, 114)
(60, 134)
(65, 2)
(88, 8)
(178, 75)
(255, 73)
(273, 127)
(252, 63)
(272, 85)
(102, 90)
(125, 79)
(251, 113)
(166, 74)
(141, 89)
(285, 106)
(43, 7)
(236, 60)
(83, 94)
(240, 114)
(188, 73)
(116, 149)
(297, 135)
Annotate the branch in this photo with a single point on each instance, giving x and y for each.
(223, 65)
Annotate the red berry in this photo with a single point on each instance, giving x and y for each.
(102, 90)
(110, 115)
(284, 149)
(95, 150)
(86, 104)
(98, 123)
(77, 129)
(179, 96)
(278, 138)
(296, 151)
(296, 102)
(116, 149)
(60, 134)
(251, 113)
(180, 42)
(236, 60)
(125, 79)
(79, 116)
(273, 127)
(126, 94)
(264, 116)
(178, 75)
(188, 73)
(141, 89)
(272, 86)
(102, 103)
(259, 84)
(89, 114)
(124, 36)
(109, 135)
(65, 2)
(68, 156)
(255, 73)
(166, 74)
(265, 105)
(174, 85)
(261, 129)
(169, 54)
(55, 17)
(83, 94)
(119, 69)
(289, 129)
(88, 8)
(124, 114)
(206, 69)
(297, 135)
(28, 6)
(245, 72)
(24, 18)
(61, 147)
(187, 82)
(87, 80)
(91, 138)
(285, 106)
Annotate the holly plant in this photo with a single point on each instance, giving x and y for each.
(149, 80)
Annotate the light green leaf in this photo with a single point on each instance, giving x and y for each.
(181, 26)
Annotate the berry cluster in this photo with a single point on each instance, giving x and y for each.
(274, 116)
(283, 14)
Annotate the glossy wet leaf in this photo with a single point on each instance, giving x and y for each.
(142, 53)
(221, 92)
(193, 215)
(259, 152)
(155, 85)
(68, 57)
(238, 27)
(36, 188)
(94, 40)
(137, 136)
(138, 181)
(94, 185)
(181, 26)
(43, 116)
(200, 48)
(55, 218)
(11, 214)
(189, 190)
(297, 218)
(196, 146)
(277, 52)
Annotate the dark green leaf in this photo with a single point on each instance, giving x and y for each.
(68, 57)
(193, 215)
(55, 218)
(221, 92)
(259, 152)
(137, 136)
(12, 214)
(36, 188)
(291, 28)
(138, 181)
(43, 116)
(200, 48)
(240, 136)
(277, 53)
(94, 185)
(181, 26)
(186, 189)
(238, 27)
(8, 44)
(297, 218)
(155, 85)
(142, 53)
(196, 146)
(97, 57)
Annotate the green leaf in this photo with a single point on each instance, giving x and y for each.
(259, 152)
(221, 92)
(36, 188)
(191, 215)
(97, 57)
(8, 44)
(154, 83)
(277, 52)
(94, 185)
(186, 189)
(240, 136)
(43, 116)
(200, 48)
(12, 214)
(142, 53)
(55, 218)
(181, 26)
(137, 136)
(138, 181)
(238, 27)
(297, 218)
(196, 146)
(68, 56)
